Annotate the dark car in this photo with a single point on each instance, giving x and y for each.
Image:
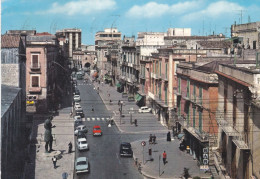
(79, 113)
(76, 92)
(81, 135)
(126, 150)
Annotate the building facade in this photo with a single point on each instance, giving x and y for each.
(237, 115)
(41, 76)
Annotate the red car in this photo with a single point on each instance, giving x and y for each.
(97, 131)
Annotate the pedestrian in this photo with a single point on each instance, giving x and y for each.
(150, 139)
(135, 122)
(154, 139)
(169, 137)
(54, 161)
(92, 108)
(164, 157)
(108, 95)
(70, 147)
(118, 102)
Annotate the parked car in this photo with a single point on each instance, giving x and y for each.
(145, 109)
(77, 120)
(77, 104)
(76, 92)
(81, 165)
(82, 144)
(81, 128)
(97, 131)
(125, 150)
(81, 135)
(79, 112)
(77, 98)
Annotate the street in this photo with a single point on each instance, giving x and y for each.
(103, 154)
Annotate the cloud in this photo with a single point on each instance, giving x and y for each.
(214, 10)
(80, 7)
(153, 9)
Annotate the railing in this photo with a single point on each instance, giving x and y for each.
(35, 66)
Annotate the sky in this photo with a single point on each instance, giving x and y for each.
(129, 16)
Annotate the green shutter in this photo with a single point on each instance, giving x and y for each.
(165, 91)
(200, 121)
(194, 117)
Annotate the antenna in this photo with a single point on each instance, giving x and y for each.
(249, 19)
(241, 14)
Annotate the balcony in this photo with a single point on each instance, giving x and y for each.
(164, 77)
(187, 98)
(35, 66)
(35, 89)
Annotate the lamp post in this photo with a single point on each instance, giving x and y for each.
(121, 104)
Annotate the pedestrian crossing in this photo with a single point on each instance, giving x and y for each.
(96, 119)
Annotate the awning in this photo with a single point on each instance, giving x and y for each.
(138, 97)
(240, 144)
(118, 85)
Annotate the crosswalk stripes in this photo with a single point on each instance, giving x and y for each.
(96, 119)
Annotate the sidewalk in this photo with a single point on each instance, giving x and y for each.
(148, 124)
(41, 166)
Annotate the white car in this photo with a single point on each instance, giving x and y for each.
(145, 109)
(77, 98)
(81, 128)
(78, 108)
(82, 144)
(77, 119)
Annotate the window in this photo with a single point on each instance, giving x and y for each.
(166, 90)
(179, 85)
(200, 95)
(166, 72)
(194, 117)
(35, 81)
(188, 89)
(35, 61)
(160, 71)
(200, 121)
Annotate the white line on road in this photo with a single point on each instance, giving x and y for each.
(107, 118)
(83, 119)
(103, 119)
(98, 119)
(88, 119)
(93, 118)
(118, 158)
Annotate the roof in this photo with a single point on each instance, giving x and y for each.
(8, 94)
(214, 44)
(42, 33)
(10, 41)
(81, 159)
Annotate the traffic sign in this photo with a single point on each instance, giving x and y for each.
(205, 150)
(205, 156)
(143, 143)
(205, 161)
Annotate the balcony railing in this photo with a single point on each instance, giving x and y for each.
(35, 89)
(35, 66)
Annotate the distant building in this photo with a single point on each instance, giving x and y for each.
(105, 40)
(73, 37)
(179, 32)
(247, 35)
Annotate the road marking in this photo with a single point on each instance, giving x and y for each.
(118, 158)
(107, 118)
(83, 119)
(103, 119)
(88, 119)
(93, 118)
(98, 119)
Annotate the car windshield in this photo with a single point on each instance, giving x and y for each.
(83, 142)
(81, 163)
(126, 147)
(96, 128)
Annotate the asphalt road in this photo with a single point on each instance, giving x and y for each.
(103, 154)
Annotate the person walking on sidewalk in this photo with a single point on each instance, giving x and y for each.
(54, 161)
(164, 157)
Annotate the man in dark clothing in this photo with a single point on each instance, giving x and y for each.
(168, 136)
